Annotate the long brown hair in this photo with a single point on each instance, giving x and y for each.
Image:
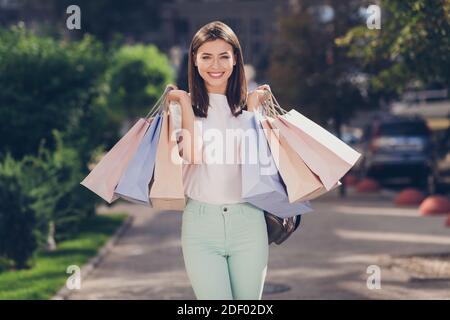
(236, 91)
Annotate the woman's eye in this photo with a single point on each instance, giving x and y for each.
(224, 57)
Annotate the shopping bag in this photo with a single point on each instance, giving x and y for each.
(167, 189)
(326, 155)
(104, 177)
(262, 185)
(300, 181)
(135, 181)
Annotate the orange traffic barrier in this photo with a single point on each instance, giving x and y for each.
(409, 197)
(350, 180)
(367, 185)
(435, 205)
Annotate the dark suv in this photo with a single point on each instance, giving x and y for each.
(400, 147)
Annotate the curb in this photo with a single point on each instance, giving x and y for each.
(434, 266)
(381, 192)
(86, 269)
(388, 193)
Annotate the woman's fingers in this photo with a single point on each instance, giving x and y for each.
(264, 93)
(171, 86)
(264, 87)
(177, 95)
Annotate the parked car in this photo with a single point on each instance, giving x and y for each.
(354, 139)
(443, 162)
(400, 147)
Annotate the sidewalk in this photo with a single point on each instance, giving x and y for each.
(326, 259)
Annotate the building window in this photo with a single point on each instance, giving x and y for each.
(256, 47)
(234, 23)
(256, 26)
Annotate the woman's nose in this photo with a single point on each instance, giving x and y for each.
(215, 63)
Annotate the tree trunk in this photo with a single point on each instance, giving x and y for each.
(51, 243)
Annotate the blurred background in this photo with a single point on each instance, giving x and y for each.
(73, 81)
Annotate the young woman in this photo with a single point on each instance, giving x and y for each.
(224, 239)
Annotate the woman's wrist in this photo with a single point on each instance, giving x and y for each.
(257, 97)
(252, 107)
(185, 104)
(185, 98)
(253, 101)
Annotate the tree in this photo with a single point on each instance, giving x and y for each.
(136, 79)
(412, 47)
(309, 71)
(52, 119)
(48, 84)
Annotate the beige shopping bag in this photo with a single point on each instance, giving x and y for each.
(167, 189)
(325, 154)
(300, 181)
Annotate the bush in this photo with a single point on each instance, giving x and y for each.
(53, 179)
(53, 91)
(49, 84)
(39, 190)
(137, 76)
(60, 103)
(18, 232)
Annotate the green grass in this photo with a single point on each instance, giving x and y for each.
(48, 273)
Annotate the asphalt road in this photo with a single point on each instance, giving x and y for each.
(327, 258)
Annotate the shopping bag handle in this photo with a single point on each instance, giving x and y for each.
(271, 105)
(162, 100)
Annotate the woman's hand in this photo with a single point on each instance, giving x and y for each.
(190, 145)
(178, 96)
(256, 97)
(174, 94)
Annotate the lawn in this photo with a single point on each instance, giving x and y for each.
(48, 274)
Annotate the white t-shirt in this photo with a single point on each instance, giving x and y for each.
(218, 179)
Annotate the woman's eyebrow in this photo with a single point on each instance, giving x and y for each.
(209, 54)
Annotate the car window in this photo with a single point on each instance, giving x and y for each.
(404, 129)
(366, 133)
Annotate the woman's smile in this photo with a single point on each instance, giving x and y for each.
(216, 75)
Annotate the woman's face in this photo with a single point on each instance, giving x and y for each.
(215, 61)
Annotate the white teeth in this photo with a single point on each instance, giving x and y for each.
(216, 75)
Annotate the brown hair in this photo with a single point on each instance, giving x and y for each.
(236, 91)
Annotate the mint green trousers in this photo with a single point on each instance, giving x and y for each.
(225, 250)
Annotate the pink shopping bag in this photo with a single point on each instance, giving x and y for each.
(326, 155)
(105, 176)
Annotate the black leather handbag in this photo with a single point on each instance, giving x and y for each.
(279, 229)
